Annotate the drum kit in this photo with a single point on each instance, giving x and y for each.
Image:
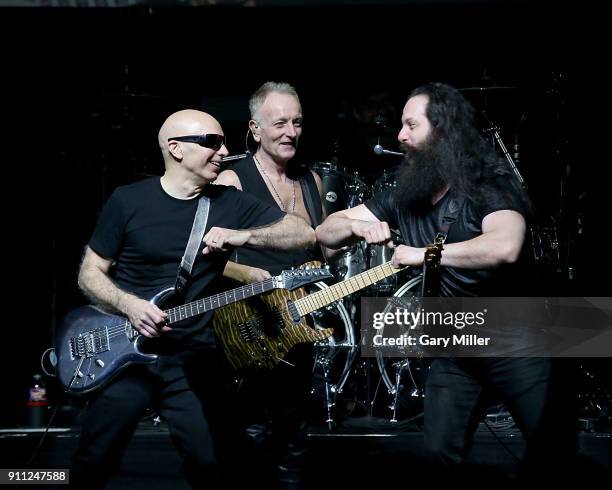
(337, 361)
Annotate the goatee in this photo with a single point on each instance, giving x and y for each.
(420, 176)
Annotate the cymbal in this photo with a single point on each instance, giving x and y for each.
(491, 88)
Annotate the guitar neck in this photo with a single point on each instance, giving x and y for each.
(203, 305)
(322, 298)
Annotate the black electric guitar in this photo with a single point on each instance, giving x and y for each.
(93, 346)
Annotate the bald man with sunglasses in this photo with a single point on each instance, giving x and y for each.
(134, 252)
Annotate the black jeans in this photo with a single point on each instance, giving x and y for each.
(277, 402)
(536, 391)
(192, 400)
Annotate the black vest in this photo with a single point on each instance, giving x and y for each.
(275, 261)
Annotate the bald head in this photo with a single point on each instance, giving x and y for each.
(187, 122)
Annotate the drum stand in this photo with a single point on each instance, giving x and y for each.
(324, 363)
(326, 360)
(399, 367)
(331, 389)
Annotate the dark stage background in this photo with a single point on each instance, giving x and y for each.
(90, 88)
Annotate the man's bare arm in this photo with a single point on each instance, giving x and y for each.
(96, 284)
(289, 233)
(351, 225)
(503, 233)
(245, 273)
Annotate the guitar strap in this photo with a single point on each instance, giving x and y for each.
(195, 239)
(431, 274)
(453, 207)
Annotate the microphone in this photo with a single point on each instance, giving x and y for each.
(379, 150)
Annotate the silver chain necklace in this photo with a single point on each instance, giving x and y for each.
(274, 188)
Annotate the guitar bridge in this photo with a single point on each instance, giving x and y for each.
(89, 343)
(252, 329)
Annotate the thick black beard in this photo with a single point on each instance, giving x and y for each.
(419, 177)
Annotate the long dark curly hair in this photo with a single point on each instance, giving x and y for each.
(471, 165)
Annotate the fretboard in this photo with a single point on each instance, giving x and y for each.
(218, 300)
(326, 296)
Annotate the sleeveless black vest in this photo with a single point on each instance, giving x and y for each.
(272, 260)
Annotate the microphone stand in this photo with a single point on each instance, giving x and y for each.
(235, 157)
(379, 150)
(494, 130)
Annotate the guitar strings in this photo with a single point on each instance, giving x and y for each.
(310, 300)
(121, 328)
(371, 275)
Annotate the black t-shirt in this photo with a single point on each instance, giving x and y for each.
(145, 232)
(419, 228)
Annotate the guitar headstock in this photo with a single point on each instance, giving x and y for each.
(296, 278)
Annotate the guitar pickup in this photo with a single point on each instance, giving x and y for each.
(293, 311)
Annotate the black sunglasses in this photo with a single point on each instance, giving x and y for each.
(212, 141)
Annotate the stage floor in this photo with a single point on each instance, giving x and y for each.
(365, 449)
